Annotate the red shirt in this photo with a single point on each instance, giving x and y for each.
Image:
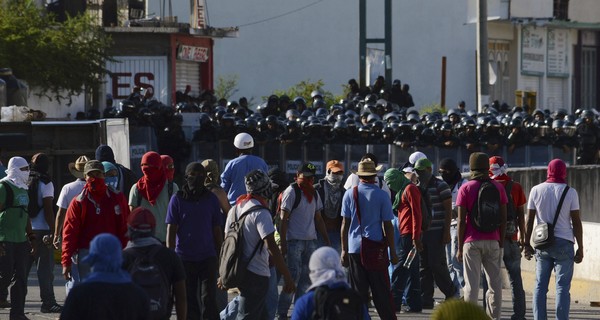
(83, 221)
(409, 212)
(518, 196)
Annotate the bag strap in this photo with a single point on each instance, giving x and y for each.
(241, 219)
(560, 203)
(355, 194)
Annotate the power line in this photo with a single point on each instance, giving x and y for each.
(281, 15)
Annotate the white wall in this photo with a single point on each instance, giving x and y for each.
(54, 109)
(584, 11)
(321, 42)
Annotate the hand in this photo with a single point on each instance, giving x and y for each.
(67, 272)
(34, 248)
(56, 242)
(418, 244)
(220, 284)
(446, 238)
(394, 258)
(344, 259)
(459, 255)
(288, 285)
(578, 255)
(521, 241)
(283, 247)
(528, 251)
(501, 243)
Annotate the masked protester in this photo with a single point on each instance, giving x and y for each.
(111, 176)
(331, 191)
(97, 209)
(152, 191)
(194, 230)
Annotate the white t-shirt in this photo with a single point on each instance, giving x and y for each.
(302, 219)
(44, 191)
(353, 180)
(544, 199)
(68, 192)
(257, 226)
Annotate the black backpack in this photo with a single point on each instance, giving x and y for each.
(148, 274)
(33, 208)
(10, 196)
(337, 304)
(486, 210)
(232, 266)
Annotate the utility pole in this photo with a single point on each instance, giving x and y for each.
(363, 41)
(483, 83)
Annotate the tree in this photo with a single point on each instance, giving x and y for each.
(59, 60)
(304, 88)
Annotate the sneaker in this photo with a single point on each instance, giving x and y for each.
(4, 304)
(54, 308)
(406, 309)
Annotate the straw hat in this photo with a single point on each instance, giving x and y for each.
(367, 168)
(76, 168)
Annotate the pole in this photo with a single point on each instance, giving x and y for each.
(362, 42)
(483, 85)
(443, 102)
(388, 43)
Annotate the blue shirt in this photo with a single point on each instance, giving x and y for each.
(375, 207)
(232, 178)
(305, 305)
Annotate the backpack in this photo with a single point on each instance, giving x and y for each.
(297, 197)
(10, 196)
(232, 266)
(337, 304)
(486, 211)
(33, 208)
(169, 190)
(147, 273)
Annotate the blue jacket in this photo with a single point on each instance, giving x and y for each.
(232, 178)
(305, 305)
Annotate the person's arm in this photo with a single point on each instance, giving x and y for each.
(171, 234)
(388, 228)
(70, 235)
(58, 226)
(218, 239)
(288, 282)
(461, 224)
(48, 211)
(321, 227)
(180, 299)
(447, 220)
(285, 221)
(521, 224)
(528, 249)
(414, 201)
(578, 233)
(223, 201)
(344, 234)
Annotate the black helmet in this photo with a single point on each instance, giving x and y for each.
(587, 114)
(516, 123)
(321, 112)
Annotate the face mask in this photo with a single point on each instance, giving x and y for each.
(96, 185)
(334, 179)
(112, 181)
(424, 178)
(21, 177)
(195, 182)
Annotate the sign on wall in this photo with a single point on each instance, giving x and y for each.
(199, 14)
(191, 53)
(128, 72)
(533, 51)
(558, 57)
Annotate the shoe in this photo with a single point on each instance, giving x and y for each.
(18, 317)
(4, 304)
(408, 310)
(54, 308)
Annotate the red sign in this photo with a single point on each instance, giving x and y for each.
(123, 80)
(190, 53)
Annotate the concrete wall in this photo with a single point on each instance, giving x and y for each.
(584, 11)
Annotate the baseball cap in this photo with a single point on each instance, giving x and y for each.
(422, 164)
(141, 219)
(335, 166)
(308, 169)
(93, 165)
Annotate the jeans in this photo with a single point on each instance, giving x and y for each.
(454, 267)
(44, 262)
(379, 283)
(253, 292)
(406, 284)
(231, 310)
(488, 254)
(434, 267)
(14, 264)
(201, 275)
(512, 262)
(560, 258)
(334, 238)
(298, 255)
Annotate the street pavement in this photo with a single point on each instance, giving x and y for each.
(579, 311)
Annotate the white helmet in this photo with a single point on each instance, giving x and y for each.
(416, 156)
(243, 141)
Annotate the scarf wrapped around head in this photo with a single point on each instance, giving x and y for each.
(498, 168)
(106, 258)
(15, 175)
(167, 163)
(325, 268)
(397, 182)
(557, 171)
(153, 181)
(213, 177)
(479, 165)
(194, 187)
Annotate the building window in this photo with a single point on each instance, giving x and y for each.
(561, 9)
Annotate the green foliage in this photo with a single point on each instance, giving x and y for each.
(304, 88)
(226, 86)
(59, 60)
(432, 108)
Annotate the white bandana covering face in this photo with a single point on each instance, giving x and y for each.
(498, 170)
(325, 268)
(15, 175)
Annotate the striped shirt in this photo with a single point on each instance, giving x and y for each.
(438, 191)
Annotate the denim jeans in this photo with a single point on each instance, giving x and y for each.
(406, 284)
(558, 257)
(512, 262)
(13, 264)
(253, 292)
(334, 238)
(201, 276)
(454, 266)
(272, 294)
(44, 263)
(298, 255)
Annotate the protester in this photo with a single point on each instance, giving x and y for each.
(41, 194)
(152, 191)
(544, 200)
(258, 226)
(141, 226)
(107, 293)
(232, 178)
(126, 177)
(16, 237)
(97, 209)
(375, 210)
(437, 235)
(213, 183)
(406, 282)
(67, 193)
(331, 192)
(480, 248)
(325, 270)
(194, 232)
(111, 174)
(353, 179)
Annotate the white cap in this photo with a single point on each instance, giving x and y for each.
(243, 141)
(416, 156)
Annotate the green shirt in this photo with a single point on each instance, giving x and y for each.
(159, 209)
(13, 221)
